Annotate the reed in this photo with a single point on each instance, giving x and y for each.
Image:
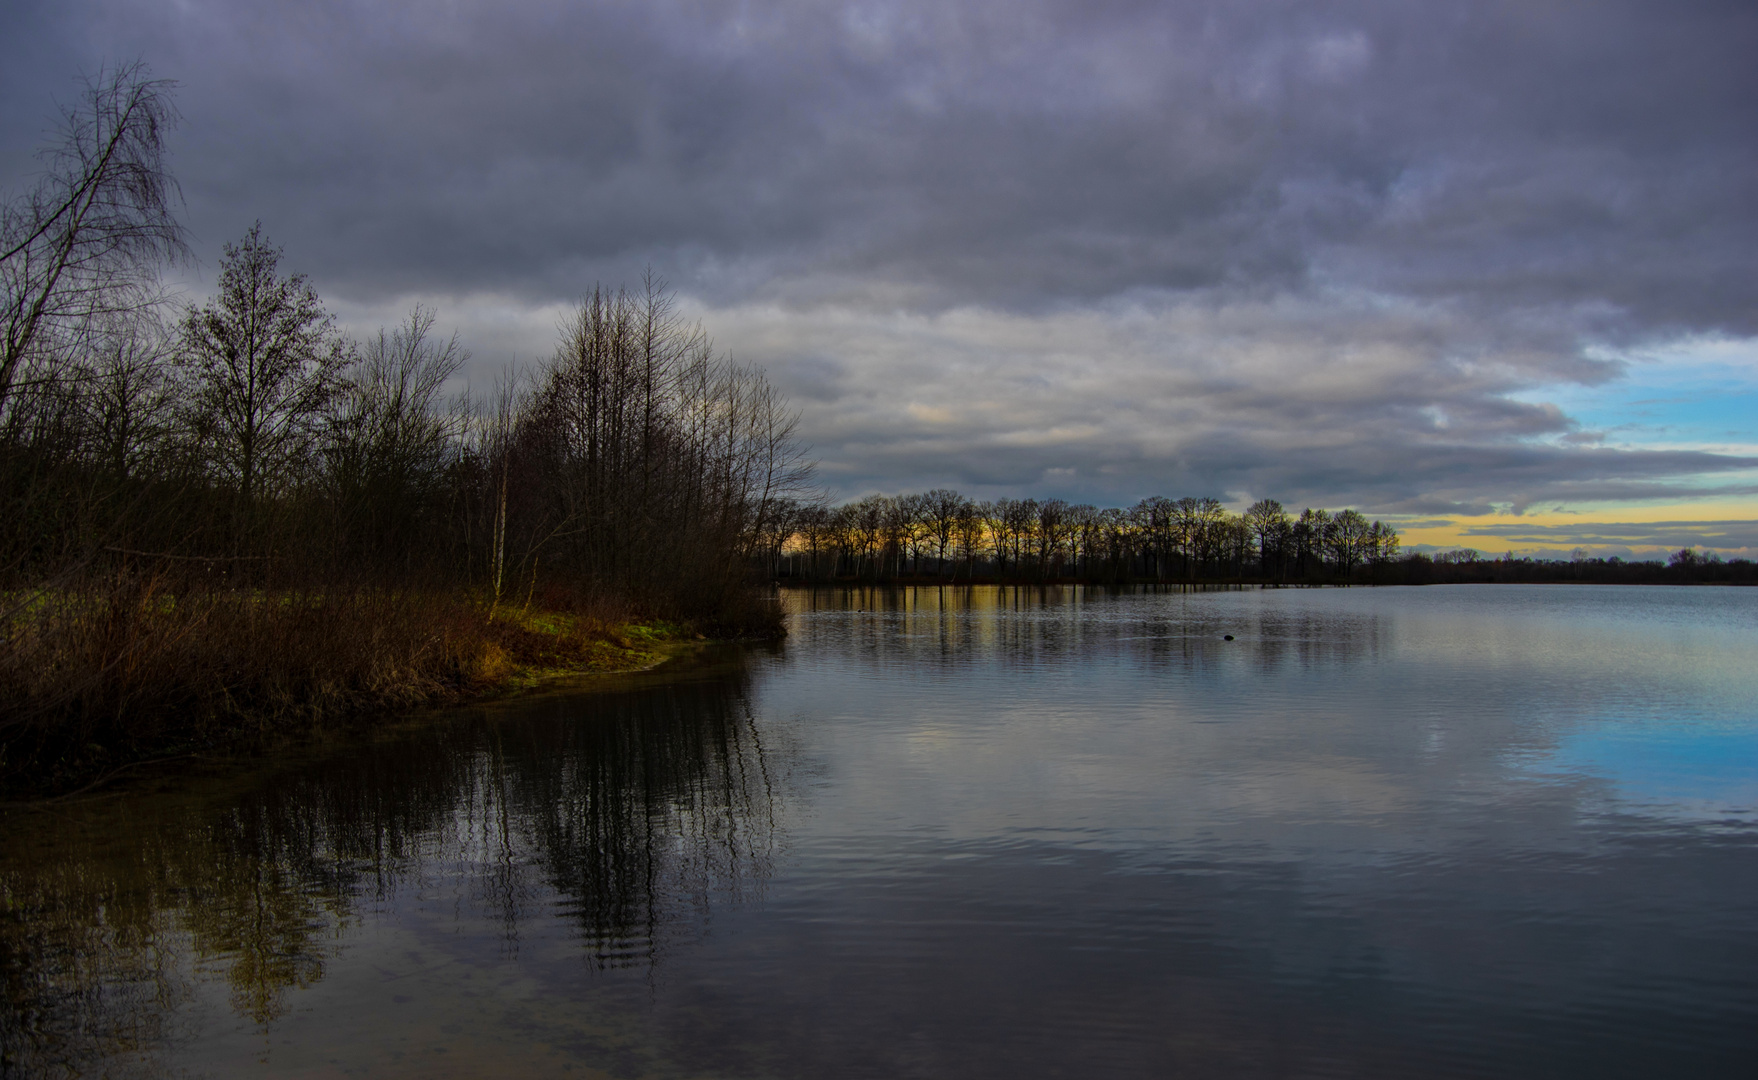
(98, 674)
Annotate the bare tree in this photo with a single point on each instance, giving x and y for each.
(996, 516)
(969, 531)
(867, 525)
(388, 439)
(1382, 544)
(1052, 523)
(88, 240)
(1118, 534)
(776, 469)
(905, 526)
(1308, 536)
(1347, 539)
(264, 359)
(1208, 530)
(940, 508)
(130, 395)
(1269, 523)
(1019, 521)
(846, 534)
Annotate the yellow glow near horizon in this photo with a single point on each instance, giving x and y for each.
(1457, 531)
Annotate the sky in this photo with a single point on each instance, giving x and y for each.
(1486, 270)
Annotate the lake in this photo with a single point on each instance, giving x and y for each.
(1497, 831)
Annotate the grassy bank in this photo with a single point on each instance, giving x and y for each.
(94, 680)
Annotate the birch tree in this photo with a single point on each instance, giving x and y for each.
(88, 239)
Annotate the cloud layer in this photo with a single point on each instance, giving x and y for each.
(1644, 540)
(1252, 247)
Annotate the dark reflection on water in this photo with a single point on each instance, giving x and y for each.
(1026, 625)
(626, 815)
(967, 833)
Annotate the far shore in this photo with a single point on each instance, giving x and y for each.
(1518, 572)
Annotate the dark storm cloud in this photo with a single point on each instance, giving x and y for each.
(1007, 244)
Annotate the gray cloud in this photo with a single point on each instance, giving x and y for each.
(1098, 249)
(1196, 396)
(1738, 538)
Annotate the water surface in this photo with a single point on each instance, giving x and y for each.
(1467, 831)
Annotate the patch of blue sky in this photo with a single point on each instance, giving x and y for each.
(1679, 769)
(1700, 394)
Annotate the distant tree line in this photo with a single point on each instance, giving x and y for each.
(1686, 566)
(944, 535)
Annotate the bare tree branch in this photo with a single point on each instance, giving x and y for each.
(90, 237)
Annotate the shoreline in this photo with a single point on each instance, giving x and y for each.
(513, 655)
(1245, 583)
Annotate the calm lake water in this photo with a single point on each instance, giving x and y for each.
(1492, 831)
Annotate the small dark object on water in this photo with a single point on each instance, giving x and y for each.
(1227, 637)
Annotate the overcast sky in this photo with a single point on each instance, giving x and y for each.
(1450, 262)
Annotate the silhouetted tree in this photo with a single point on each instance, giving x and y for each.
(89, 239)
(1309, 540)
(264, 360)
(1347, 540)
(1270, 525)
(388, 441)
(940, 509)
(1052, 530)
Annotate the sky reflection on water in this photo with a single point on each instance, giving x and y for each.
(1489, 831)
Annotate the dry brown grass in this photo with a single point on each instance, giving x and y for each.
(96, 676)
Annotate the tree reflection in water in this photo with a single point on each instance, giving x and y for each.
(967, 626)
(632, 813)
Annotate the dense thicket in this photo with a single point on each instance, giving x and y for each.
(230, 509)
(639, 458)
(250, 438)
